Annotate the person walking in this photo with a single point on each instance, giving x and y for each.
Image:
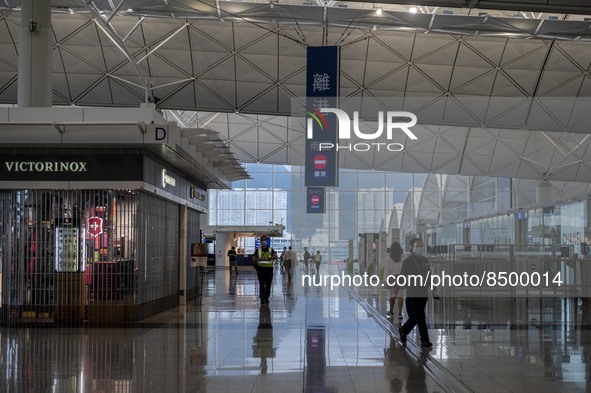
(416, 294)
(232, 259)
(391, 270)
(282, 260)
(307, 258)
(317, 261)
(289, 262)
(263, 258)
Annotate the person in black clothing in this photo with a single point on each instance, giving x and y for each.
(416, 294)
(263, 258)
(232, 257)
(307, 258)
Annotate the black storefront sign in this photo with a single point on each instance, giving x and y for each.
(54, 167)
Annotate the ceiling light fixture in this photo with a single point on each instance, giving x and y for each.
(379, 12)
(413, 10)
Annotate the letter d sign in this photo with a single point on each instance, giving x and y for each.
(159, 133)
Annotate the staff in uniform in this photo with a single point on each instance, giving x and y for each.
(263, 258)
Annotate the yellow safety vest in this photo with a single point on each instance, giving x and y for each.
(263, 254)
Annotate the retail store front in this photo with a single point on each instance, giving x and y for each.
(95, 235)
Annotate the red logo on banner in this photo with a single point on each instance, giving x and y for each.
(320, 161)
(315, 199)
(95, 226)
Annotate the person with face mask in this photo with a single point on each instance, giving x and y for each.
(416, 295)
(263, 258)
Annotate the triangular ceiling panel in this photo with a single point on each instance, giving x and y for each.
(505, 86)
(277, 157)
(560, 108)
(456, 113)
(525, 79)
(247, 35)
(60, 86)
(560, 84)
(400, 43)
(526, 170)
(290, 48)
(249, 72)
(220, 71)
(481, 161)
(558, 61)
(432, 46)
(179, 62)
(183, 97)
(440, 74)
(292, 67)
(420, 83)
(446, 162)
(265, 103)
(504, 150)
(381, 52)
(210, 39)
(266, 45)
(100, 94)
(85, 32)
(123, 92)
(353, 69)
(266, 64)
(155, 33)
(381, 78)
(249, 91)
(82, 60)
(507, 112)
(580, 52)
(540, 118)
(8, 86)
(516, 49)
(356, 51)
(215, 95)
(242, 133)
(504, 168)
(268, 150)
(159, 67)
(351, 160)
(469, 168)
(81, 82)
(469, 57)
(245, 151)
(585, 88)
(432, 113)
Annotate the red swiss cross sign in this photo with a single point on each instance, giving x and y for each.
(95, 226)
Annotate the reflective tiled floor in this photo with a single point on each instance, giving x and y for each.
(308, 340)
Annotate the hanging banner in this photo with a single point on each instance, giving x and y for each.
(316, 197)
(322, 91)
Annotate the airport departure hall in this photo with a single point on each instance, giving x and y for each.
(295, 196)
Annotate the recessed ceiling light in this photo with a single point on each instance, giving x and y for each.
(413, 10)
(379, 12)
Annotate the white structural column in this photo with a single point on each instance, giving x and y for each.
(35, 63)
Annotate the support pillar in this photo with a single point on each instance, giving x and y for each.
(35, 64)
(183, 259)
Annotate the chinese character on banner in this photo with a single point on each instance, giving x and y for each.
(321, 82)
(314, 146)
(320, 103)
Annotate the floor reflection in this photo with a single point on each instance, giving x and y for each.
(308, 340)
